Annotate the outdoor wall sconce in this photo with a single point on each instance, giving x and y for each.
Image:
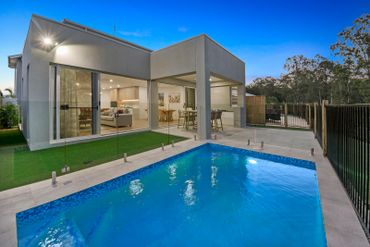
(48, 43)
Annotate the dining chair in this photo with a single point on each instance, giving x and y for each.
(181, 120)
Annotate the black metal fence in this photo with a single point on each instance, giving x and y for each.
(348, 149)
(274, 114)
(287, 115)
(298, 116)
(319, 123)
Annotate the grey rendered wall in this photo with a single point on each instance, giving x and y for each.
(18, 81)
(177, 59)
(24, 98)
(82, 49)
(76, 48)
(223, 63)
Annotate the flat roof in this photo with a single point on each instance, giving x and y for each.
(68, 23)
(93, 31)
(13, 59)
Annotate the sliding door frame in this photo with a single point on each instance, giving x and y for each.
(55, 104)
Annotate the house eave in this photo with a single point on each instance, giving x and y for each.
(13, 59)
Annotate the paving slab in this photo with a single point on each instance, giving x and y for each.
(341, 223)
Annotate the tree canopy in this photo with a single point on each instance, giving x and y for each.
(314, 79)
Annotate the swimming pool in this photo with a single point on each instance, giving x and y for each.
(211, 195)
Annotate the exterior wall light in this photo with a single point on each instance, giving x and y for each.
(47, 41)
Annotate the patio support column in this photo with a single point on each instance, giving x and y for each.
(240, 116)
(203, 92)
(152, 104)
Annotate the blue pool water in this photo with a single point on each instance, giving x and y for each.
(212, 195)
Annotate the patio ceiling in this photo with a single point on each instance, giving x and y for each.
(215, 80)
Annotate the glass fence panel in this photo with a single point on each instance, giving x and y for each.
(29, 153)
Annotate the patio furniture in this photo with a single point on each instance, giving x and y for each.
(166, 115)
(216, 121)
(117, 120)
(191, 119)
(273, 114)
(219, 120)
(85, 116)
(181, 120)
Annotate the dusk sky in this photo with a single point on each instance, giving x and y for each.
(262, 33)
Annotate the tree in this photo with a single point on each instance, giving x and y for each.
(299, 77)
(323, 79)
(8, 116)
(315, 79)
(268, 86)
(354, 46)
(10, 92)
(1, 98)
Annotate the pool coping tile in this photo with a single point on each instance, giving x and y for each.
(22, 198)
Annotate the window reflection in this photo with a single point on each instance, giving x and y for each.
(172, 171)
(189, 195)
(136, 187)
(214, 170)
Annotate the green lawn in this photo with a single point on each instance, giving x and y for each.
(11, 137)
(19, 166)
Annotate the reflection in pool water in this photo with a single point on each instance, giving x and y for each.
(214, 170)
(136, 187)
(189, 195)
(172, 171)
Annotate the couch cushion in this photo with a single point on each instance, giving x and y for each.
(110, 118)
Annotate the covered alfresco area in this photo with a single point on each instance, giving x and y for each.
(198, 86)
(177, 104)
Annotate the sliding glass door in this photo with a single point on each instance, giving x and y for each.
(77, 102)
(87, 102)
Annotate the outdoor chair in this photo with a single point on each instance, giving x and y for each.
(219, 119)
(191, 119)
(216, 121)
(181, 121)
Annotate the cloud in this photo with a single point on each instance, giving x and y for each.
(182, 29)
(135, 33)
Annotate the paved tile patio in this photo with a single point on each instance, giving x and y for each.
(341, 223)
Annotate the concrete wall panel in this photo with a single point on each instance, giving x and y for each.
(177, 59)
(223, 63)
(83, 49)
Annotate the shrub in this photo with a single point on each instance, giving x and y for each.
(8, 116)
